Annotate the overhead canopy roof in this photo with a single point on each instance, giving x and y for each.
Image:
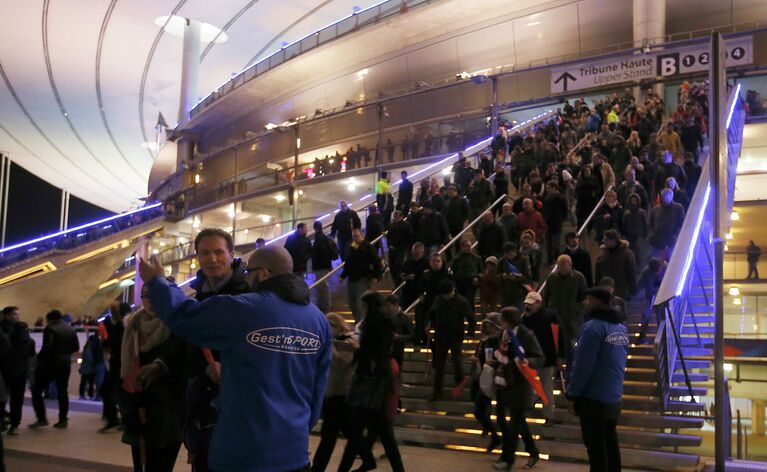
(73, 72)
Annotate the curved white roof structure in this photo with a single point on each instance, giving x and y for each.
(82, 81)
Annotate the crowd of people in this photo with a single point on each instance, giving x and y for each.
(251, 357)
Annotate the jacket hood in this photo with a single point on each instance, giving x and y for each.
(605, 314)
(236, 284)
(289, 287)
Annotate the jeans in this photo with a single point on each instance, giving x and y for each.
(355, 290)
(482, 412)
(343, 247)
(753, 270)
(322, 291)
(513, 429)
(465, 288)
(158, 459)
(335, 419)
(44, 375)
(440, 357)
(598, 428)
(377, 426)
(396, 259)
(546, 375)
(87, 384)
(109, 391)
(553, 248)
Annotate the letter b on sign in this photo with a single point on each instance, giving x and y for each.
(668, 64)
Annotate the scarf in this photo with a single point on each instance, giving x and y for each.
(143, 332)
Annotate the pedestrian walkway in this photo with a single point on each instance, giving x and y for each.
(82, 448)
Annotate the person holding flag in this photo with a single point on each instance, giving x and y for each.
(515, 380)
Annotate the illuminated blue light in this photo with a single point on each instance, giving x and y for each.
(370, 195)
(100, 320)
(732, 106)
(189, 280)
(695, 233)
(78, 228)
(323, 216)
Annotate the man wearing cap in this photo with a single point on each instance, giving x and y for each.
(275, 355)
(596, 379)
(544, 323)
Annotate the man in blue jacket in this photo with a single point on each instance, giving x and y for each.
(596, 379)
(275, 354)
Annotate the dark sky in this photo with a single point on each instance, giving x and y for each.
(34, 208)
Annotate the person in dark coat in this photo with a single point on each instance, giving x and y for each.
(413, 269)
(446, 316)
(464, 174)
(15, 365)
(515, 273)
(152, 405)
(587, 194)
(581, 257)
(665, 223)
(54, 363)
(508, 221)
(635, 227)
(433, 279)
(220, 274)
(491, 236)
(617, 261)
(399, 239)
(692, 170)
(300, 249)
(405, 194)
(555, 210)
(514, 395)
(595, 385)
(480, 194)
(456, 210)
(753, 253)
(467, 270)
(432, 229)
(564, 292)
(492, 330)
(374, 227)
(403, 328)
(373, 360)
(324, 252)
(5, 344)
(362, 269)
(544, 323)
(344, 222)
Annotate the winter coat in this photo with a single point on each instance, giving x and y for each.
(541, 324)
(343, 224)
(456, 214)
(362, 262)
(400, 236)
(665, 224)
(531, 220)
(619, 264)
(555, 210)
(466, 266)
(599, 362)
(480, 195)
(635, 224)
(447, 316)
(490, 240)
(324, 252)
(517, 390)
(259, 335)
(581, 263)
(59, 343)
(300, 249)
(564, 294)
(432, 229)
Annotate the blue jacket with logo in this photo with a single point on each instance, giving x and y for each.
(599, 360)
(275, 355)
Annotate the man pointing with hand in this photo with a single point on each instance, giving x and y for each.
(275, 354)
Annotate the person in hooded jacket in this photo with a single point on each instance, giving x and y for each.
(275, 350)
(617, 261)
(635, 227)
(596, 377)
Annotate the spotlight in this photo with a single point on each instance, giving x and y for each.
(734, 291)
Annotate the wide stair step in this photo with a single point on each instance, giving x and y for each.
(657, 460)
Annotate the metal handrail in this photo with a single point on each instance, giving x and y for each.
(583, 227)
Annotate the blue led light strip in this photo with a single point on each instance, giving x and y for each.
(732, 106)
(78, 228)
(695, 233)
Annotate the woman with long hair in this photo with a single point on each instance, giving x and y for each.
(335, 411)
(374, 391)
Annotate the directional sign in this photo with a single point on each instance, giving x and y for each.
(635, 67)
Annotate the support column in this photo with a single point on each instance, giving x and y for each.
(757, 417)
(190, 70)
(64, 218)
(494, 106)
(649, 28)
(6, 165)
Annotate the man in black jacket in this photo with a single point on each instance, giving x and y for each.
(447, 315)
(324, 252)
(300, 249)
(432, 229)
(544, 323)
(456, 210)
(15, 364)
(54, 362)
(580, 257)
(344, 222)
(362, 268)
(491, 237)
(555, 210)
(399, 239)
(412, 273)
(405, 195)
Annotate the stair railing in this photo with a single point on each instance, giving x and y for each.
(674, 299)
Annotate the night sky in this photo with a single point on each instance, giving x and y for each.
(34, 208)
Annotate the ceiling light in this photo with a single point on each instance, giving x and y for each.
(534, 23)
(736, 301)
(155, 251)
(727, 367)
(162, 243)
(192, 266)
(270, 126)
(196, 178)
(232, 211)
(363, 72)
(735, 216)
(300, 192)
(246, 231)
(728, 235)
(177, 25)
(266, 218)
(446, 171)
(280, 198)
(351, 187)
(298, 143)
(734, 291)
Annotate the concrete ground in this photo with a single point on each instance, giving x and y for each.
(82, 448)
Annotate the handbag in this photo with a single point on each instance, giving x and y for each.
(487, 381)
(367, 391)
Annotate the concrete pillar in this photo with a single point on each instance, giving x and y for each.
(757, 417)
(190, 70)
(649, 28)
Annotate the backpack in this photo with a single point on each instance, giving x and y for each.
(332, 249)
